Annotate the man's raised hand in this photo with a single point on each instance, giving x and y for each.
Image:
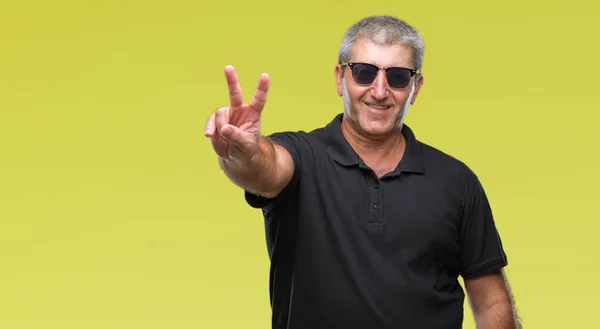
(235, 129)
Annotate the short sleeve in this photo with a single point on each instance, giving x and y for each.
(291, 142)
(481, 247)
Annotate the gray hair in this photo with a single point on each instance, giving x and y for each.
(383, 30)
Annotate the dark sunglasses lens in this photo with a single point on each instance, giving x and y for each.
(364, 74)
(398, 78)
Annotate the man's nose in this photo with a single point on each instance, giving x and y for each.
(379, 88)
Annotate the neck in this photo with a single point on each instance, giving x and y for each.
(374, 148)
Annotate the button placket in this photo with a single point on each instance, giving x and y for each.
(375, 200)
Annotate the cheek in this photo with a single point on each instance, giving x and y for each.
(404, 98)
(353, 95)
(358, 94)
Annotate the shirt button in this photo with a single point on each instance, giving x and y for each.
(376, 185)
(375, 206)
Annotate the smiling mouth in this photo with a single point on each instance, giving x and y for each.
(378, 107)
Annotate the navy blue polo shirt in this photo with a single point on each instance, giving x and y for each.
(351, 250)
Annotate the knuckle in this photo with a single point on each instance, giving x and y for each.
(220, 111)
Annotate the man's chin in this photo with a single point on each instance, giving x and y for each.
(377, 128)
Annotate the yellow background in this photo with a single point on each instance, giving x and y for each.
(114, 214)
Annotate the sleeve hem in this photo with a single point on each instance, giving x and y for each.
(485, 268)
(257, 201)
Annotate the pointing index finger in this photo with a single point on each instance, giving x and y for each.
(236, 97)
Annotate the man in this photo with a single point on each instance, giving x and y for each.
(367, 227)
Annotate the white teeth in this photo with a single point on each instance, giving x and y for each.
(378, 107)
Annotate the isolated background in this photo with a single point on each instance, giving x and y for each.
(114, 213)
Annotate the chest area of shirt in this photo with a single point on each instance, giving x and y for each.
(406, 207)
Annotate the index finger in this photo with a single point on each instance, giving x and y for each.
(236, 97)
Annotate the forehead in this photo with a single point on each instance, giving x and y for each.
(384, 55)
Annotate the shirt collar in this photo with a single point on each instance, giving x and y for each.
(341, 152)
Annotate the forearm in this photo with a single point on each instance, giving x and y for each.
(498, 315)
(260, 175)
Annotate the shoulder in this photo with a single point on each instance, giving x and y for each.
(454, 173)
(459, 181)
(444, 162)
(299, 142)
(314, 136)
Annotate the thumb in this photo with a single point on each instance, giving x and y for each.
(234, 134)
(243, 145)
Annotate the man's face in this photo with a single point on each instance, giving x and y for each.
(376, 109)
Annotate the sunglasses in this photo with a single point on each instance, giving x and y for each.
(365, 74)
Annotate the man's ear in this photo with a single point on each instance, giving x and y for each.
(417, 89)
(338, 79)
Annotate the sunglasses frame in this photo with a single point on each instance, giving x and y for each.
(379, 68)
